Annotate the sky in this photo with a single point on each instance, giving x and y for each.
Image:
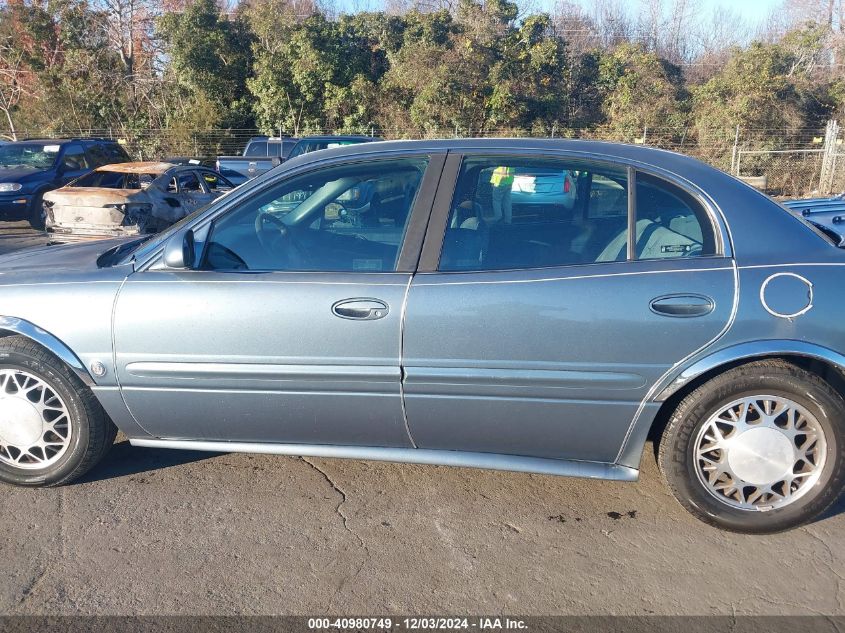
(755, 11)
(752, 10)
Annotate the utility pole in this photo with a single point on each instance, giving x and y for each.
(829, 158)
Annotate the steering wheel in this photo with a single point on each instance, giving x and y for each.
(276, 238)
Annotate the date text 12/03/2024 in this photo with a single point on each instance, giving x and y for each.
(418, 623)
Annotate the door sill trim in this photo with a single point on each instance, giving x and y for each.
(489, 461)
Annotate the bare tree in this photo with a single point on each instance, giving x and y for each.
(713, 41)
(613, 22)
(13, 85)
(723, 29)
(129, 27)
(576, 27)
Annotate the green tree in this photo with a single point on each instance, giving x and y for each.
(210, 61)
(640, 92)
(753, 92)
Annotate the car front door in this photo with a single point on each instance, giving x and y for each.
(289, 329)
(535, 325)
(190, 192)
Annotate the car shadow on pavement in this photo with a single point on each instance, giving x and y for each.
(835, 510)
(124, 459)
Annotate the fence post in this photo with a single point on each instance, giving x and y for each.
(828, 158)
(735, 156)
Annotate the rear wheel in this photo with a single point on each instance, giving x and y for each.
(758, 449)
(52, 429)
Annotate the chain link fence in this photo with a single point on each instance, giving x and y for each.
(839, 173)
(784, 163)
(787, 173)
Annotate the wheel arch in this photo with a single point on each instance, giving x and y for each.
(10, 326)
(824, 362)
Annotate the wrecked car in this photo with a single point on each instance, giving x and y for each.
(129, 199)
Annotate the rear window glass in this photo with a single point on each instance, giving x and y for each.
(257, 148)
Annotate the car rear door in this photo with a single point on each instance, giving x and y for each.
(543, 336)
(277, 341)
(74, 163)
(214, 184)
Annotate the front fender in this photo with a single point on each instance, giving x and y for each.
(13, 325)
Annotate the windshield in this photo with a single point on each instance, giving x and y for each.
(28, 156)
(162, 237)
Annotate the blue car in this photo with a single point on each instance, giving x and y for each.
(826, 214)
(357, 302)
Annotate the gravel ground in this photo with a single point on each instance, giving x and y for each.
(153, 531)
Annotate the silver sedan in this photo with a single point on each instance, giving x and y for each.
(358, 302)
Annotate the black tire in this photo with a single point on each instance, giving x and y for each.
(35, 212)
(92, 432)
(770, 377)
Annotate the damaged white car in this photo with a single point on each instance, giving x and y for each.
(129, 199)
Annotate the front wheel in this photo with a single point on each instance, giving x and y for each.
(758, 449)
(35, 212)
(52, 429)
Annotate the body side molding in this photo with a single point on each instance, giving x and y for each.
(14, 325)
(490, 461)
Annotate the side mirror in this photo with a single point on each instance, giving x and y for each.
(276, 161)
(179, 251)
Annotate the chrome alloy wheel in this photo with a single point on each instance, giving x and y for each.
(760, 452)
(35, 426)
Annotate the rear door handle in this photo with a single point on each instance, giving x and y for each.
(682, 305)
(363, 309)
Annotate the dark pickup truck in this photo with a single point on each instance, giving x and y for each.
(261, 154)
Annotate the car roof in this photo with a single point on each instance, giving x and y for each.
(64, 141)
(339, 137)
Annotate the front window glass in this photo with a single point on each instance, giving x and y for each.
(516, 212)
(28, 156)
(347, 218)
(189, 183)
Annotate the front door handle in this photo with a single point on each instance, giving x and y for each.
(682, 305)
(361, 309)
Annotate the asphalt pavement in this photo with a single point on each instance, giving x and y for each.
(154, 531)
(15, 235)
(157, 532)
